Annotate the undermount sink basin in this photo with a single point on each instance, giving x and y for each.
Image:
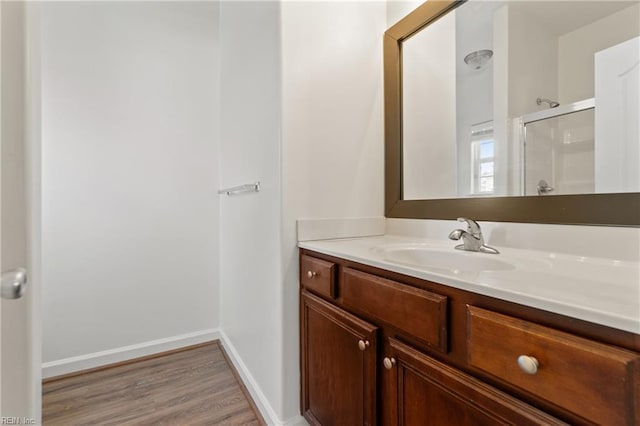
(453, 261)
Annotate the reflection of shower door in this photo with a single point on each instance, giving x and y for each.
(617, 151)
(559, 151)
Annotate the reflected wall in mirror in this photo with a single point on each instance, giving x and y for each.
(522, 98)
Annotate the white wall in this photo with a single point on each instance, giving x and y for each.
(129, 173)
(533, 61)
(251, 283)
(332, 133)
(429, 112)
(576, 51)
(398, 9)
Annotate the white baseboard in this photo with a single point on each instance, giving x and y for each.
(250, 383)
(296, 421)
(112, 356)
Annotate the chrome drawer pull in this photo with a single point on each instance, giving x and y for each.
(528, 364)
(311, 274)
(363, 344)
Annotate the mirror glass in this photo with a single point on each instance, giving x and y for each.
(522, 98)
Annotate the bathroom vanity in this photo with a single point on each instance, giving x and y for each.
(405, 331)
(388, 340)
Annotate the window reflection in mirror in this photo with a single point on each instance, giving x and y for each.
(500, 98)
(482, 159)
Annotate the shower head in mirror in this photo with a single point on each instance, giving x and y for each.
(552, 104)
(478, 59)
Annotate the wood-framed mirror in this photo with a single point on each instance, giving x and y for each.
(503, 188)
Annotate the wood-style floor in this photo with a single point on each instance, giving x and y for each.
(191, 387)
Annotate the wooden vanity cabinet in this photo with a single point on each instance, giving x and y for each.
(583, 376)
(424, 391)
(378, 347)
(338, 357)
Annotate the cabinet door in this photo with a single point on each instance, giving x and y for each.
(338, 357)
(423, 391)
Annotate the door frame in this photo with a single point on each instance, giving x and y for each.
(33, 183)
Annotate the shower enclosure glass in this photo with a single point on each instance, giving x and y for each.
(559, 154)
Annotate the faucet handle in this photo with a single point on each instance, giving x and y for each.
(472, 226)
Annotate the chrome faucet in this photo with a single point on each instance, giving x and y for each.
(472, 238)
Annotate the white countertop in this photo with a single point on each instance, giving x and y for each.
(601, 291)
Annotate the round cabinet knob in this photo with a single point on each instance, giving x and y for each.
(363, 344)
(311, 274)
(528, 364)
(389, 363)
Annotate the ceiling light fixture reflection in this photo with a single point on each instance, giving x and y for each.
(478, 59)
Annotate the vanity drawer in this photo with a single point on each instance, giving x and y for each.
(419, 313)
(318, 275)
(598, 382)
